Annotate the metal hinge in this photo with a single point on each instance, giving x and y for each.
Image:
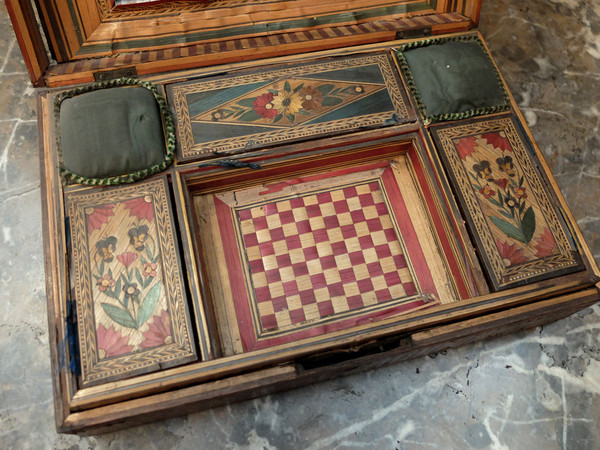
(123, 72)
(413, 33)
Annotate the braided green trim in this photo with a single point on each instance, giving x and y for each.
(168, 125)
(417, 96)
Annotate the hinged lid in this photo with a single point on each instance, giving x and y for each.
(87, 37)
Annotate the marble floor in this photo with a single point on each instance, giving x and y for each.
(538, 389)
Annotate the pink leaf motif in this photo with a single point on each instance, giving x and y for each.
(498, 141)
(159, 331)
(466, 146)
(111, 342)
(510, 253)
(141, 208)
(98, 216)
(545, 244)
(127, 258)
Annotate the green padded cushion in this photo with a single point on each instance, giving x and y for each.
(111, 132)
(454, 77)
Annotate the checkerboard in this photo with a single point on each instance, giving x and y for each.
(321, 254)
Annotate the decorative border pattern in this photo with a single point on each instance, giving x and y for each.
(169, 130)
(181, 347)
(417, 96)
(520, 270)
(190, 150)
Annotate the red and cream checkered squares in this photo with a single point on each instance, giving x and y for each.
(321, 254)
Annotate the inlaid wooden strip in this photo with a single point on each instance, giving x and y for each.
(520, 235)
(241, 48)
(131, 303)
(236, 113)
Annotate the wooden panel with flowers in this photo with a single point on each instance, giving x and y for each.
(236, 113)
(520, 235)
(132, 310)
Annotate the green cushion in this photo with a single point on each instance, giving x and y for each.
(111, 132)
(454, 79)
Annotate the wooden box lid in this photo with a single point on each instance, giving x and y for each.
(85, 39)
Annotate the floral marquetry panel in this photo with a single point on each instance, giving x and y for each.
(132, 311)
(520, 234)
(234, 113)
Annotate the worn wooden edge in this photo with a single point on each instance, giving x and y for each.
(207, 347)
(241, 387)
(54, 260)
(412, 322)
(548, 179)
(29, 38)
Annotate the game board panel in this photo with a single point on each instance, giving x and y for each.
(236, 113)
(131, 304)
(307, 256)
(520, 235)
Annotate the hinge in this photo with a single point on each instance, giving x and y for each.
(123, 72)
(413, 33)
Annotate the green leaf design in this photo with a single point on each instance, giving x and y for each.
(247, 102)
(249, 116)
(287, 87)
(325, 89)
(117, 288)
(102, 269)
(148, 304)
(331, 101)
(277, 118)
(300, 86)
(505, 214)
(119, 315)
(273, 91)
(148, 253)
(509, 229)
(291, 117)
(493, 201)
(528, 224)
(138, 277)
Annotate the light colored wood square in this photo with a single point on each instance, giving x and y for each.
(332, 276)
(340, 304)
(273, 221)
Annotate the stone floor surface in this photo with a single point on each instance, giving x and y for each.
(538, 389)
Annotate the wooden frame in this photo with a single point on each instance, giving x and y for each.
(92, 36)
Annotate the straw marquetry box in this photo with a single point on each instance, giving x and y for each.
(255, 195)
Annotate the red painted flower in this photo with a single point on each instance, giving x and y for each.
(105, 282)
(511, 254)
(149, 269)
(501, 183)
(545, 244)
(263, 105)
(498, 140)
(98, 216)
(111, 342)
(141, 208)
(127, 258)
(487, 191)
(159, 331)
(520, 192)
(466, 146)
